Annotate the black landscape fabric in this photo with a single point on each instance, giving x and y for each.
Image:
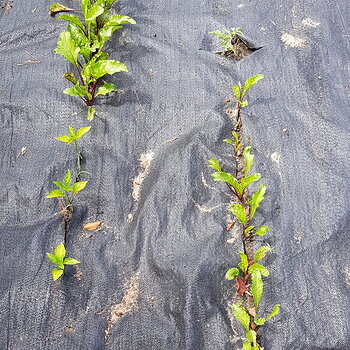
(153, 276)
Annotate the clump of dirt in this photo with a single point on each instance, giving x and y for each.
(292, 41)
(126, 305)
(6, 6)
(145, 162)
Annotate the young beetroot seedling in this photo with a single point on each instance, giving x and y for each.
(82, 44)
(226, 36)
(59, 258)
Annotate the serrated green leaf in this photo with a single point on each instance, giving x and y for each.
(56, 274)
(239, 212)
(262, 230)
(67, 48)
(81, 132)
(65, 139)
(93, 12)
(54, 194)
(91, 113)
(247, 346)
(241, 315)
(228, 178)
(257, 197)
(106, 89)
(257, 287)
(262, 269)
(67, 178)
(252, 81)
(72, 19)
(248, 159)
(53, 258)
(250, 179)
(103, 67)
(214, 164)
(231, 273)
(261, 253)
(78, 186)
(60, 251)
(70, 261)
(243, 265)
(228, 141)
(275, 311)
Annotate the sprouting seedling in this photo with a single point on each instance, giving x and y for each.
(67, 190)
(240, 91)
(82, 44)
(59, 258)
(73, 137)
(226, 36)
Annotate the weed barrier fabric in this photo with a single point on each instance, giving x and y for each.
(152, 278)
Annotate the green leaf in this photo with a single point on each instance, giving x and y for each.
(228, 141)
(236, 138)
(56, 274)
(261, 253)
(243, 265)
(72, 19)
(103, 67)
(257, 287)
(71, 132)
(262, 269)
(70, 261)
(244, 103)
(67, 178)
(93, 12)
(247, 345)
(67, 48)
(214, 164)
(262, 230)
(54, 8)
(259, 321)
(239, 213)
(231, 273)
(237, 92)
(78, 186)
(81, 132)
(248, 159)
(66, 139)
(53, 258)
(117, 20)
(78, 35)
(60, 185)
(252, 81)
(60, 251)
(106, 89)
(251, 336)
(70, 76)
(248, 229)
(250, 179)
(78, 90)
(241, 315)
(275, 311)
(91, 113)
(228, 178)
(55, 193)
(257, 197)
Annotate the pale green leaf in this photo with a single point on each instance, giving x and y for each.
(93, 12)
(72, 19)
(55, 193)
(244, 103)
(78, 186)
(60, 251)
(56, 274)
(106, 89)
(239, 212)
(65, 139)
(275, 311)
(247, 345)
(60, 185)
(91, 113)
(259, 321)
(257, 287)
(262, 230)
(257, 197)
(243, 265)
(236, 138)
(241, 315)
(251, 336)
(228, 141)
(71, 131)
(78, 90)
(248, 229)
(261, 253)
(251, 81)
(237, 92)
(78, 35)
(67, 48)
(248, 159)
(103, 67)
(262, 269)
(67, 178)
(117, 20)
(214, 164)
(231, 273)
(70, 261)
(250, 179)
(228, 178)
(81, 132)
(53, 258)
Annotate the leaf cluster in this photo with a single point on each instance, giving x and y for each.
(240, 91)
(225, 37)
(82, 45)
(59, 258)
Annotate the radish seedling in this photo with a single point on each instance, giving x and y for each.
(249, 273)
(82, 44)
(59, 258)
